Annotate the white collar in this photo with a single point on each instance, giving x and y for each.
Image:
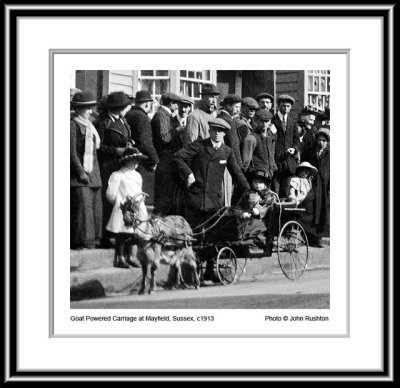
(167, 109)
(113, 116)
(216, 144)
(280, 115)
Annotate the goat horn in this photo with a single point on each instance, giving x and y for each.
(138, 194)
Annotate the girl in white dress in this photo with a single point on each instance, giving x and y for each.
(126, 181)
(300, 185)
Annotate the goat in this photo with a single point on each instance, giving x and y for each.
(159, 239)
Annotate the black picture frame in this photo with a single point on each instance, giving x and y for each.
(11, 140)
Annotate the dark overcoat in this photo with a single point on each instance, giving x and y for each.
(140, 126)
(208, 166)
(231, 138)
(113, 134)
(284, 140)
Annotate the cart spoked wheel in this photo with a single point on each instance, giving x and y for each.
(241, 267)
(292, 249)
(226, 264)
(187, 277)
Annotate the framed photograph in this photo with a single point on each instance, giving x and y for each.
(134, 226)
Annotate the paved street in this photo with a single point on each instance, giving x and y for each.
(264, 291)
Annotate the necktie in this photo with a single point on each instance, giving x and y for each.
(284, 124)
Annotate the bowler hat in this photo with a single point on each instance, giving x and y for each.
(264, 115)
(324, 132)
(209, 89)
(132, 154)
(117, 100)
(313, 170)
(260, 174)
(83, 99)
(250, 102)
(219, 124)
(265, 95)
(286, 97)
(187, 100)
(143, 96)
(230, 99)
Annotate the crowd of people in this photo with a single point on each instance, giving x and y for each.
(203, 159)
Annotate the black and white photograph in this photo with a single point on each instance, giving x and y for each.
(215, 183)
(178, 222)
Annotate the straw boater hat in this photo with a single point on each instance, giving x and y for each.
(83, 99)
(132, 154)
(307, 166)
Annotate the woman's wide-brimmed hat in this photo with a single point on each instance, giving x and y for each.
(324, 132)
(260, 174)
(132, 154)
(83, 99)
(305, 165)
(117, 100)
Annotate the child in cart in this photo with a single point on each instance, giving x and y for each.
(257, 207)
(300, 185)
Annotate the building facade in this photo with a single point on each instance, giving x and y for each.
(307, 87)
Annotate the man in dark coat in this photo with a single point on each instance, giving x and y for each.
(317, 224)
(204, 175)
(231, 106)
(262, 154)
(140, 126)
(286, 146)
(165, 137)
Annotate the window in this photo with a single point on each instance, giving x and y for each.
(192, 81)
(319, 88)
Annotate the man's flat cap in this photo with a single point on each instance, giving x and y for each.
(265, 95)
(250, 102)
(219, 124)
(286, 97)
(264, 115)
(231, 99)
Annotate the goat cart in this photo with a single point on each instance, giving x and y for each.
(225, 240)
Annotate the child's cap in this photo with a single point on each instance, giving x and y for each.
(260, 174)
(132, 154)
(307, 166)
